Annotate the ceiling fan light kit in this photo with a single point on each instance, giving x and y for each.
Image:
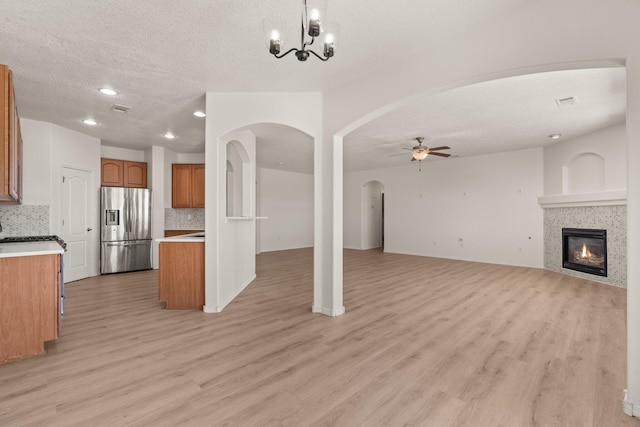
(313, 26)
(420, 152)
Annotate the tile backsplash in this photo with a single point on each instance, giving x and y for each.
(24, 220)
(184, 219)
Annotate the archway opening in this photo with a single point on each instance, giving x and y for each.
(372, 215)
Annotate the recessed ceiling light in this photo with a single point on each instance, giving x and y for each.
(199, 113)
(89, 122)
(555, 136)
(169, 135)
(107, 91)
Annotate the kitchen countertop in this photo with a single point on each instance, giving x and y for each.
(29, 249)
(193, 238)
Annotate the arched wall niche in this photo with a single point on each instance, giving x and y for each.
(230, 187)
(584, 173)
(238, 167)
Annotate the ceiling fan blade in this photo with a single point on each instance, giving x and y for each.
(410, 149)
(444, 147)
(396, 155)
(440, 154)
(413, 159)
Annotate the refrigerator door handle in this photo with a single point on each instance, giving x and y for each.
(127, 243)
(127, 215)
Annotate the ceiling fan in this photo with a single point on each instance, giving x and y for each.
(420, 152)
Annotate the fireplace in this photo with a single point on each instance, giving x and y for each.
(585, 250)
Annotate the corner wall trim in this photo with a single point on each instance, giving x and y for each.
(328, 311)
(629, 408)
(207, 309)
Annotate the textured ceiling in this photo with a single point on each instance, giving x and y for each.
(162, 57)
(506, 114)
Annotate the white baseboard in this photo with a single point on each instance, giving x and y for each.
(207, 309)
(629, 408)
(327, 311)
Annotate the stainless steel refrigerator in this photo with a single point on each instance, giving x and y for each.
(126, 229)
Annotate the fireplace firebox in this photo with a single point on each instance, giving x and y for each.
(585, 250)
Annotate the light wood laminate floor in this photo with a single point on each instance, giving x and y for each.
(424, 342)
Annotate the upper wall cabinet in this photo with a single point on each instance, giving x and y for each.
(10, 142)
(135, 174)
(123, 173)
(187, 185)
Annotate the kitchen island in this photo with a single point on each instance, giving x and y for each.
(30, 289)
(181, 264)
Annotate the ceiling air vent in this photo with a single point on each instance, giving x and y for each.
(119, 108)
(565, 102)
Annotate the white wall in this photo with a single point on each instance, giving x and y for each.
(37, 175)
(238, 252)
(47, 148)
(490, 202)
(122, 154)
(286, 198)
(77, 150)
(609, 143)
(633, 229)
(230, 245)
(155, 158)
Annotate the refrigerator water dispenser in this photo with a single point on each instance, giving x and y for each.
(112, 217)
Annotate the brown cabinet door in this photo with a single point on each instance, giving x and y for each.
(135, 174)
(4, 133)
(30, 305)
(197, 186)
(10, 141)
(14, 143)
(181, 186)
(112, 172)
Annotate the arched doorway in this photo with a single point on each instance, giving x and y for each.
(372, 215)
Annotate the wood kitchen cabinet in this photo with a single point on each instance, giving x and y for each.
(30, 305)
(187, 185)
(181, 283)
(10, 141)
(123, 173)
(135, 174)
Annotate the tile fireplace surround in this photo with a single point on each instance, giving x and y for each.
(612, 218)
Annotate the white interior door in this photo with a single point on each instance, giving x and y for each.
(76, 216)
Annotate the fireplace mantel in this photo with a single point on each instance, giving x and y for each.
(607, 198)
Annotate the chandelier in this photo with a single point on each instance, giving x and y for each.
(313, 26)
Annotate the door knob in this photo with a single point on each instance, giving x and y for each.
(89, 229)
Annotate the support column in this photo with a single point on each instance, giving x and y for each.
(328, 241)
